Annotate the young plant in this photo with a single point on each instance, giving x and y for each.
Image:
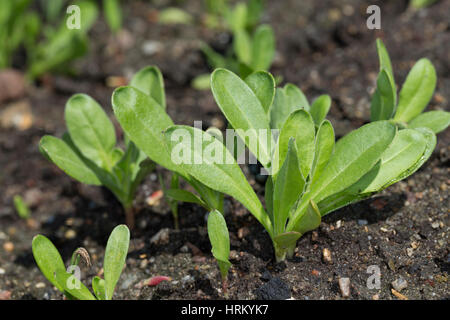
(414, 96)
(88, 153)
(419, 4)
(141, 111)
(220, 242)
(68, 281)
(253, 47)
(311, 175)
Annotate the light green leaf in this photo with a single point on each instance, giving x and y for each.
(150, 81)
(324, 147)
(384, 99)
(113, 15)
(61, 154)
(221, 173)
(242, 46)
(184, 196)
(48, 259)
(73, 286)
(417, 91)
(285, 240)
(437, 120)
(310, 220)
(220, 241)
(115, 257)
(385, 60)
(263, 48)
(288, 187)
(90, 129)
(320, 108)
(243, 110)
(98, 285)
(144, 121)
(299, 126)
(354, 156)
(173, 15)
(263, 85)
(287, 100)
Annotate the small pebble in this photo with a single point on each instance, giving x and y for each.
(40, 285)
(5, 295)
(2, 271)
(326, 256)
(8, 246)
(344, 286)
(399, 284)
(435, 225)
(161, 238)
(362, 222)
(70, 234)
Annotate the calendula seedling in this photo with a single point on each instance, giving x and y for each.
(414, 96)
(253, 47)
(140, 110)
(67, 281)
(220, 242)
(311, 175)
(88, 153)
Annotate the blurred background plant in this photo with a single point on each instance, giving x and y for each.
(39, 28)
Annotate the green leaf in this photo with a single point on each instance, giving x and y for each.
(417, 91)
(173, 15)
(90, 129)
(320, 108)
(287, 100)
(354, 155)
(299, 126)
(115, 257)
(21, 207)
(73, 286)
(287, 189)
(61, 154)
(263, 48)
(214, 166)
(184, 196)
(98, 285)
(384, 99)
(399, 161)
(324, 147)
(48, 259)
(237, 18)
(113, 14)
(150, 81)
(437, 121)
(244, 111)
(285, 240)
(242, 46)
(385, 60)
(220, 241)
(144, 121)
(263, 85)
(268, 197)
(310, 220)
(405, 151)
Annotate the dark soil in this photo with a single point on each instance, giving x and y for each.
(323, 46)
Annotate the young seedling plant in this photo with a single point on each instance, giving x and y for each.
(253, 47)
(414, 96)
(88, 153)
(141, 111)
(68, 281)
(311, 175)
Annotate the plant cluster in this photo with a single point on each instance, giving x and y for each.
(68, 281)
(49, 44)
(253, 47)
(310, 173)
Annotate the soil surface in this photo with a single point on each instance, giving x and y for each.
(322, 46)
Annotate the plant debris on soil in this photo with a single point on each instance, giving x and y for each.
(322, 46)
